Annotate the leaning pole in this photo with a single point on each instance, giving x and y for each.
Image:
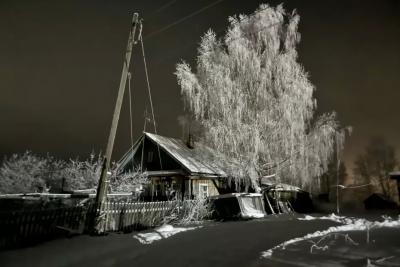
(99, 220)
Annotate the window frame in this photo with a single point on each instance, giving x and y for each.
(207, 191)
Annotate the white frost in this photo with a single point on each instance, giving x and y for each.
(351, 224)
(162, 232)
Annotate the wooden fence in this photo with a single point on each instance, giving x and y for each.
(130, 216)
(22, 228)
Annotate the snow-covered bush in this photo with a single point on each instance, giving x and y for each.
(22, 173)
(189, 212)
(82, 174)
(128, 182)
(28, 173)
(53, 174)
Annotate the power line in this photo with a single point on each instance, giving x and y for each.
(197, 12)
(170, 3)
(233, 39)
(150, 98)
(182, 19)
(150, 16)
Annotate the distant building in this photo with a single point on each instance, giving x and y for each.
(379, 201)
(176, 169)
(396, 176)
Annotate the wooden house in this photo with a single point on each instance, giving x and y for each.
(176, 169)
(379, 201)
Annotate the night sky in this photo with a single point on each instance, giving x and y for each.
(61, 62)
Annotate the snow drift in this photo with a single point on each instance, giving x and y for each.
(350, 224)
(161, 232)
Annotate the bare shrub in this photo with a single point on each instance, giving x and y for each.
(189, 212)
(128, 182)
(82, 174)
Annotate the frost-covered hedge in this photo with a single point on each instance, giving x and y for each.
(27, 173)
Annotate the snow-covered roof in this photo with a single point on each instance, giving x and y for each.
(197, 160)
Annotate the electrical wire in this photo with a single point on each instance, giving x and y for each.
(181, 20)
(149, 92)
(170, 3)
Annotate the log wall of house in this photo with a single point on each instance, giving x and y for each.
(196, 183)
(194, 187)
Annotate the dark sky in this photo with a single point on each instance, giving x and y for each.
(61, 61)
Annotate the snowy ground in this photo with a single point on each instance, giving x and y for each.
(356, 242)
(241, 243)
(160, 233)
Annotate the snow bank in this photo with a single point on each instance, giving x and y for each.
(350, 224)
(332, 217)
(159, 233)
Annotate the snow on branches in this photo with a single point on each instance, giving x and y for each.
(255, 101)
(29, 173)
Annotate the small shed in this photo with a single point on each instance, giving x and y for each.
(238, 205)
(379, 201)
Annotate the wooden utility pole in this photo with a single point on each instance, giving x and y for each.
(103, 182)
(337, 174)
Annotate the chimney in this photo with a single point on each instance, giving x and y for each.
(190, 141)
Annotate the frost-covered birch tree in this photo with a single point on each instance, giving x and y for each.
(255, 100)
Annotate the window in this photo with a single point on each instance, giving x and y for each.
(203, 190)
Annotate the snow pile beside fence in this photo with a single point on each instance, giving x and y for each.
(350, 224)
(162, 232)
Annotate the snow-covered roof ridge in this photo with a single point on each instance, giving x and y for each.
(197, 160)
